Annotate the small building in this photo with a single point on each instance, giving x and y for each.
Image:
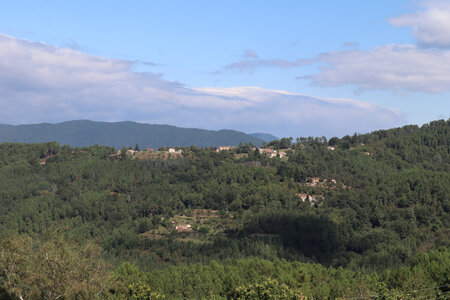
(315, 180)
(267, 151)
(330, 148)
(303, 196)
(183, 228)
(130, 152)
(149, 149)
(173, 150)
(224, 148)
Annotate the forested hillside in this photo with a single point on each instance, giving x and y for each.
(359, 216)
(83, 133)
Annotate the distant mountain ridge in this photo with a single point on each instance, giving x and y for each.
(267, 137)
(82, 133)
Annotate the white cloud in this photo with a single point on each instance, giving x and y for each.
(41, 83)
(391, 67)
(431, 26)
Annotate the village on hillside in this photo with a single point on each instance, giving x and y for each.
(149, 153)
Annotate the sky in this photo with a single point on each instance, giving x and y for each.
(289, 68)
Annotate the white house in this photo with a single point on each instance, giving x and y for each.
(224, 148)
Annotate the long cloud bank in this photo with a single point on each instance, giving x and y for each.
(42, 83)
(397, 68)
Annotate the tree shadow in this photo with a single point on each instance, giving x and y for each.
(315, 237)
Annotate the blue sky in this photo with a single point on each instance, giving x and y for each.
(290, 68)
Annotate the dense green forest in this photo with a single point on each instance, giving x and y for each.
(363, 216)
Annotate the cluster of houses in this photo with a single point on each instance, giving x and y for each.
(272, 152)
(267, 151)
(133, 152)
(224, 148)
